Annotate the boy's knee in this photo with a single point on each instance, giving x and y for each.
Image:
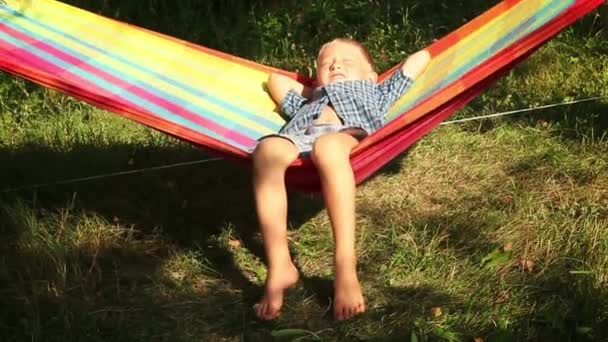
(332, 147)
(275, 150)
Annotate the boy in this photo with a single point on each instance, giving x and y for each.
(325, 123)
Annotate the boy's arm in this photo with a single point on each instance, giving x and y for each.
(415, 64)
(279, 85)
(400, 81)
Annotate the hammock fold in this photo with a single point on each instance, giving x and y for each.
(219, 102)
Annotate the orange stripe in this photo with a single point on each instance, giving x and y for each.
(454, 37)
(220, 54)
(474, 76)
(50, 81)
(226, 56)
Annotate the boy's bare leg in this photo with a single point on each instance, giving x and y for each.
(331, 155)
(271, 159)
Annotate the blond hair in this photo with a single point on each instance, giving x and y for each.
(364, 51)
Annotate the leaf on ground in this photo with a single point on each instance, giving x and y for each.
(177, 275)
(294, 333)
(436, 311)
(234, 243)
(198, 285)
(527, 265)
(581, 330)
(446, 334)
(495, 258)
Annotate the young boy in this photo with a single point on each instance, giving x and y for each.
(325, 123)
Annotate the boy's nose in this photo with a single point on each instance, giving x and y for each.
(335, 66)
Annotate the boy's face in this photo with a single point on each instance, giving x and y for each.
(341, 61)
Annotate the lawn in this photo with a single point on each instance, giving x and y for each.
(490, 230)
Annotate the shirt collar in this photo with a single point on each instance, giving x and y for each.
(321, 91)
(318, 93)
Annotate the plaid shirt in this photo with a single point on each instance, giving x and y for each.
(361, 104)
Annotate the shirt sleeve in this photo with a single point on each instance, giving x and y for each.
(392, 88)
(291, 103)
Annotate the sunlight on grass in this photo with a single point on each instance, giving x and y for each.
(494, 229)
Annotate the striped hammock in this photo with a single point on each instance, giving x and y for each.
(219, 102)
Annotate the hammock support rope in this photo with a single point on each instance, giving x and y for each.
(209, 160)
(218, 101)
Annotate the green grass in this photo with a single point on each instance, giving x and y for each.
(493, 229)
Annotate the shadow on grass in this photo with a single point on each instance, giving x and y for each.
(58, 291)
(569, 300)
(118, 301)
(579, 122)
(561, 303)
(575, 122)
(189, 208)
(571, 307)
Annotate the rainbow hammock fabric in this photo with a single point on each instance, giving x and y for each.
(218, 101)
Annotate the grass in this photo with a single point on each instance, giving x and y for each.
(494, 229)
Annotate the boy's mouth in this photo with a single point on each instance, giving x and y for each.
(336, 76)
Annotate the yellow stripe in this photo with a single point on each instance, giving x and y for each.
(462, 51)
(229, 76)
(454, 55)
(225, 79)
(144, 77)
(231, 80)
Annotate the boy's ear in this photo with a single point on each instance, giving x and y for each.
(373, 76)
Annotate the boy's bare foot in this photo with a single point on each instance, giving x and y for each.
(348, 297)
(277, 281)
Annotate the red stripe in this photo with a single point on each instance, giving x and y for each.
(372, 158)
(99, 98)
(455, 36)
(398, 138)
(470, 27)
(481, 71)
(132, 88)
(17, 55)
(223, 55)
(387, 143)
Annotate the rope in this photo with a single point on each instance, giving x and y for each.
(108, 175)
(512, 112)
(122, 173)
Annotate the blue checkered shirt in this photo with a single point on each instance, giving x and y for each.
(361, 103)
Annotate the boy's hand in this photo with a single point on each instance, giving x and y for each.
(415, 64)
(279, 85)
